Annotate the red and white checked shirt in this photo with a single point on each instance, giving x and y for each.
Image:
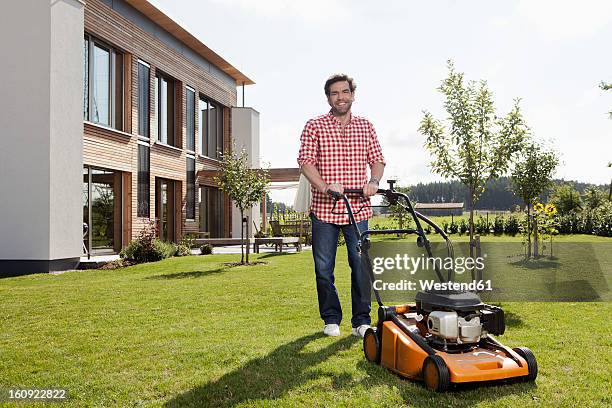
(341, 156)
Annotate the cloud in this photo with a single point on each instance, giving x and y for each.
(566, 19)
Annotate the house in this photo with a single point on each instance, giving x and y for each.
(431, 209)
(112, 114)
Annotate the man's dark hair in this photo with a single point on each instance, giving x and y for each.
(338, 78)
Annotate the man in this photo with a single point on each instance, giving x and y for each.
(335, 151)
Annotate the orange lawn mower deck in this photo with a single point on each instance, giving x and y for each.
(445, 337)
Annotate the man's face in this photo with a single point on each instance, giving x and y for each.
(340, 98)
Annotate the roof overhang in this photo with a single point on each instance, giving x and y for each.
(165, 22)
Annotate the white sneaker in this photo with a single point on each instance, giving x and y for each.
(331, 330)
(360, 331)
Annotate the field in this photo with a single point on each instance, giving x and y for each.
(194, 332)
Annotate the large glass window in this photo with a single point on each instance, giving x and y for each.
(103, 84)
(144, 181)
(144, 73)
(102, 210)
(190, 188)
(190, 118)
(211, 211)
(210, 135)
(165, 103)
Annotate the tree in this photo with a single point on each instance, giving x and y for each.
(566, 199)
(532, 175)
(593, 198)
(478, 146)
(606, 87)
(244, 186)
(610, 191)
(398, 212)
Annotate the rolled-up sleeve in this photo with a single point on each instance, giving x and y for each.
(308, 145)
(375, 153)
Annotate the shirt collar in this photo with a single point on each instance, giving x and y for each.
(332, 117)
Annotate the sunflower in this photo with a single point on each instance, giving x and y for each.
(550, 209)
(539, 207)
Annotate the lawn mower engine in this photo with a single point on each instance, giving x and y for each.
(456, 318)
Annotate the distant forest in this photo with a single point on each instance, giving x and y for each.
(497, 195)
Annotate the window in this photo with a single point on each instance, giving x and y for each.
(165, 103)
(103, 84)
(210, 135)
(144, 72)
(190, 118)
(190, 188)
(211, 211)
(144, 181)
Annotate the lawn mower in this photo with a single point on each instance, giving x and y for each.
(446, 337)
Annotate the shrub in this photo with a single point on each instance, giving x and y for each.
(453, 228)
(165, 249)
(463, 227)
(182, 250)
(498, 225)
(512, 225)
(603, 220)
(482, 226)
(206, 249)
(147, 248)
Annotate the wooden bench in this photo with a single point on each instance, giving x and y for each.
(222, 241)
(278, 243)
(299, 229)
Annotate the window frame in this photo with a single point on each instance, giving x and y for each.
(190, 136)
(171, 81)
(204, 132)
(115, 101)
(140, 183)
(190, 207)
(148, 101)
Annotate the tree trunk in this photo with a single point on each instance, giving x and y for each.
(471, 226)
(471, 223)
(535, 237)
(248, 245)
(241, 236)
(528, 231)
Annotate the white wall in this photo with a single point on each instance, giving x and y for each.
(245, 135)
(66, 129)
(40, 141)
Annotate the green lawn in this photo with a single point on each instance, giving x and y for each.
(191, 332)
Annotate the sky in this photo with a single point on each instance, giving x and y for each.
(552, 54)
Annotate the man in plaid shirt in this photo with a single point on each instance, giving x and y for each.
(336, 150)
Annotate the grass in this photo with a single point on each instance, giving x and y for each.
(193, 332)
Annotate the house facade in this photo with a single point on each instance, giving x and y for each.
(137, 104)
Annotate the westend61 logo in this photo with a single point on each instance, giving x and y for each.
(410, 264)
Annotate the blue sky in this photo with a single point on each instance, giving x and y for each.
(551, 54)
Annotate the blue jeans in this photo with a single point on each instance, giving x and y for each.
(324, 245)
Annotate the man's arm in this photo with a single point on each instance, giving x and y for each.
(371, 187)
(314, 177)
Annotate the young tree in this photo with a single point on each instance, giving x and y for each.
(478, 146)
(532, 175)
(567, 199)
(243, 185)
(606, 87)
(593, 197)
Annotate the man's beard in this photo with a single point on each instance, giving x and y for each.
(345, 109)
